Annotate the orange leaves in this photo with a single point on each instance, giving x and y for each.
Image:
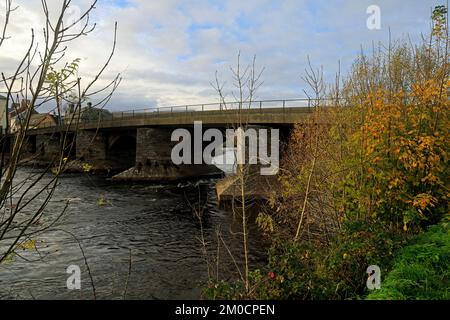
(423, 201)
(403, 144)
(376, 159)
(410, 141)
(395, 182)
(430, 179)
(428, 92)
(421, 153)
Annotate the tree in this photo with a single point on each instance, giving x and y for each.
(246, 82)
(43, 78)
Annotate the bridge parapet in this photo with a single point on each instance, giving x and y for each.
(221, 118)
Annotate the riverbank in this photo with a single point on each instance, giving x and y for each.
(421, 269)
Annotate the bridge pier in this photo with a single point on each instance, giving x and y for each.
(154, 163)
(28, 146)
(91, 146)
(48, 147)
(258, 175)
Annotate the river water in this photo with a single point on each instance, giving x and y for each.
(141, 241)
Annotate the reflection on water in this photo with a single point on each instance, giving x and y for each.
(153, 223)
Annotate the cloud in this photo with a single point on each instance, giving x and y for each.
(168, 51)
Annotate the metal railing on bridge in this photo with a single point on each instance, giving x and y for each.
(234, 105)
(224, 106)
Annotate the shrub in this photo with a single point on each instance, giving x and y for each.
(302, 271)
(421, 269)
(339, 270)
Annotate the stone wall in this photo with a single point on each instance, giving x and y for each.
(48, 146)
(153, 144)
(28, 146)
(154, 163)
(91, 145)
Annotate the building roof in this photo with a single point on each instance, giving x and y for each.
(40, 118)
(20, 108)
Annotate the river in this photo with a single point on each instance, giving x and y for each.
(141, 241)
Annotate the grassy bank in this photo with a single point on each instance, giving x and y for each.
(421, 269)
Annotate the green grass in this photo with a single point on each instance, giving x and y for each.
(421, 269)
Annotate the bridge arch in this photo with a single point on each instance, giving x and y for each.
(122, 150)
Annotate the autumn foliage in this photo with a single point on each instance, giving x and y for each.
(362, 176)
(405, 151)
(381, 152)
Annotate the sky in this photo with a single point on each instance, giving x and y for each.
(169, 51)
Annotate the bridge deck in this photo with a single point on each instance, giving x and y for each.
(267, 116)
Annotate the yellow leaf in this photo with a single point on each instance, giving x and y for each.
(28, 245)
